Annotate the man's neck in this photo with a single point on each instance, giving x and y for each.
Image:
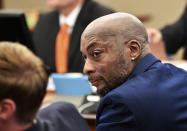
(67, 10)
(12, 125)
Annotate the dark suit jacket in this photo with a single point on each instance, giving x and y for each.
(60, 116)
(44, 35)
(175, 35)
(154, 98)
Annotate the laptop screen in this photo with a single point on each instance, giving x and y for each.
(71, 84)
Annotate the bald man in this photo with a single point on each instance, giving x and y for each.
(139, 92)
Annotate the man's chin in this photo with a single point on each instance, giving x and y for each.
(103, 91)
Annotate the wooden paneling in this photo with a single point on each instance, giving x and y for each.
(1, 4)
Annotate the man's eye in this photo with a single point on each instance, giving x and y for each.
(95, 53)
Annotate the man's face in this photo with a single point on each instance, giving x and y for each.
(106, 62)
(60, 3)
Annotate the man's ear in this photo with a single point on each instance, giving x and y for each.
(134, 48)
(7, 109)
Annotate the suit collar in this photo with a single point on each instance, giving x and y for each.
(81, 22)
(143, 65)
(71, 18)
(37, 126)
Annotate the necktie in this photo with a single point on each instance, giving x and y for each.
(62, 46)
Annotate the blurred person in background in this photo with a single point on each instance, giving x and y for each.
(74, 15)
(174, 36)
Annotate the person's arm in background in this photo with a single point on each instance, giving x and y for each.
(172, 35)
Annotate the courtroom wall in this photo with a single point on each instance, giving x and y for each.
(160, 12)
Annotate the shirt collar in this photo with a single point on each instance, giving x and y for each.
(35, 126)
(143, 65)
(71, 18)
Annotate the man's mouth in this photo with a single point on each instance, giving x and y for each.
(94, 82)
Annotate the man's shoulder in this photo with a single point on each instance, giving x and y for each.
(59, 116)
(147, 84)
(62, 107)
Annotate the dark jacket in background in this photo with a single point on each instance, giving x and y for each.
(60, 116)
(175, 35)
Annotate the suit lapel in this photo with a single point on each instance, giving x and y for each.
(74, 54)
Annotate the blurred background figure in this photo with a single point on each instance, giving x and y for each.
(57, 34)
(174, 36)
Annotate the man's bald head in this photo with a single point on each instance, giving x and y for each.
(123, 25)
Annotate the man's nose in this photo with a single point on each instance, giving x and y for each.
(88, 67)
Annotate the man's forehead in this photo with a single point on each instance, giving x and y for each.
(90, 40)
(99, 35)
(93, 41)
